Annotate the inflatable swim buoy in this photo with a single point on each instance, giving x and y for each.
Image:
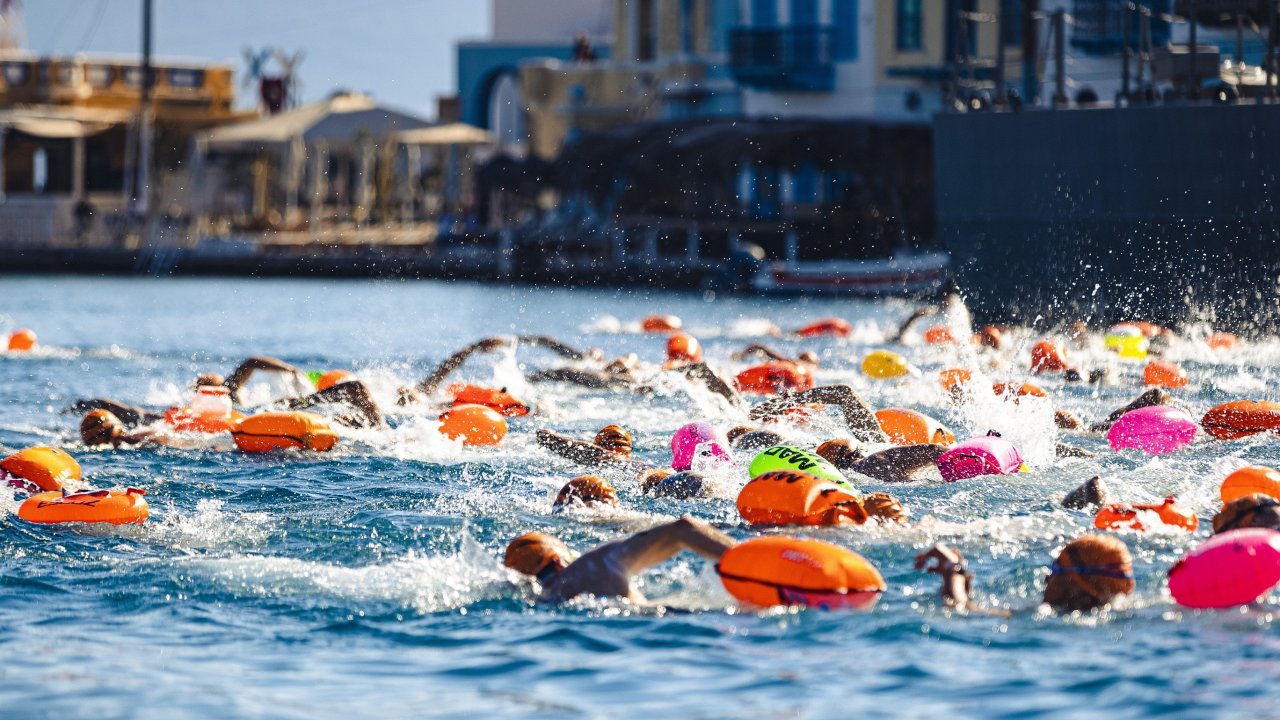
(1049, 356)
(828, 326)
(908, 427)
(939, 335)
(117, 507)
(1241, 418)
(772, 378)
(1018, 390)
(1250, 480)
(952, 378)
(22, 340)
(475, 424)
(661, 324)
(779, 570)
(884, 365)
(986, 455)
(1229, 569)
(784, 497)
(1164, 374)
(269, 431)
(48, 468)
(1126, 340)
(333, 377)
(1223, 341)
(500, 401)
(183, 420)
(788, 457)
(686, 441)
(1117, 516)
(1155, 430)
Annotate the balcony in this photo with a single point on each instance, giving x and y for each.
(798, 58)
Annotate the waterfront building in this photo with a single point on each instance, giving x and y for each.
(67, 124)
(490, 94)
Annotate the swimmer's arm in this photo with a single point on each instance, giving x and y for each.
(352, 393)
(1154, 396)
(957, 581)
(129, 415)
(716, 384)
(762, 350)
(915, 316)
(585, 378)
(858, 416)
(556, 346)
(646, 549)
(454, 361)
(244, 370)
(575, 450)
(899, 464)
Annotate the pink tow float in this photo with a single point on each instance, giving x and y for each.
(684, 444)
(987, 455)
(1157, 430)
(1227, 570)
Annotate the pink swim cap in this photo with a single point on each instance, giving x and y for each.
(688, 438)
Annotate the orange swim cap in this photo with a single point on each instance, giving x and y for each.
(1089, 573)
(588, 490)
(684, 347)
(22, 340)
(661, 323)
(534, 553)
(1048, 356)
(615, 439)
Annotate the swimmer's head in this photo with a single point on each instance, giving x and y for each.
(808, 357)
(989, 336)
(615, 439)
(622, 365)
(683, 347)
(1250, 511)
(757, 440)
(536, 554)
(100, 427)
(650, 478)
(587, 490)
(1089, 573)
(210, 379)
(841, 453)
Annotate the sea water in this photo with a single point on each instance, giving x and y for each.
(367, 582)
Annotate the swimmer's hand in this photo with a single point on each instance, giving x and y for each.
(957, 581)
(885, 507)
(406, 395)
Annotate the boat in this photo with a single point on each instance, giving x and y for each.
(911, 274)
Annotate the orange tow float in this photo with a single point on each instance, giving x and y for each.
(474, 424)
(780, 570)
(772, 378)
(117, 507)
(787, 497)
(1164, 374)
(499, 401)
(269, 431)
(23, 340)
(661, 324)
(908, 427)
(1125, 516)
(48, 468)
(1241, 418)
(827, 326)
(1251, 480)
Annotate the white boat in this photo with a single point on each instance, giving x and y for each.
(901, 274)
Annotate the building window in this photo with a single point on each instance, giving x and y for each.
(686, 26)
(804, 12)
(1011, 19)
(764, 13)
(910, 26)
(647, 35)
(845, 13)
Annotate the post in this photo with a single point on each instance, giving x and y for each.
(1030, 52)
(142, 188)
(77, 168)
(1125, 10)
(1001, 24)
(691, 242)
(1193, 92)
(1271, 49)
(413, 172)
(3, 131)
(319, 186)
(1059, 58)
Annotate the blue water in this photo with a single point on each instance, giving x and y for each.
(367, 582)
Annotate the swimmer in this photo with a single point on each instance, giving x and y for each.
(896, 464)
(1257, 511)
(102, 427)
(607, 570)
(611, 445)
(1089, 573)
(430, 384)
(586, 491)
(1153, 397)
(807, 358)
(858, 415)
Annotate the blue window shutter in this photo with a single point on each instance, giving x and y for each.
(845, 14)
(764, 13)
(804, 12)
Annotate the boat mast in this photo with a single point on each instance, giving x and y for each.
(146, 139)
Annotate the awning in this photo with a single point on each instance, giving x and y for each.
(451, 134)
(339, 121)
(57, 124)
